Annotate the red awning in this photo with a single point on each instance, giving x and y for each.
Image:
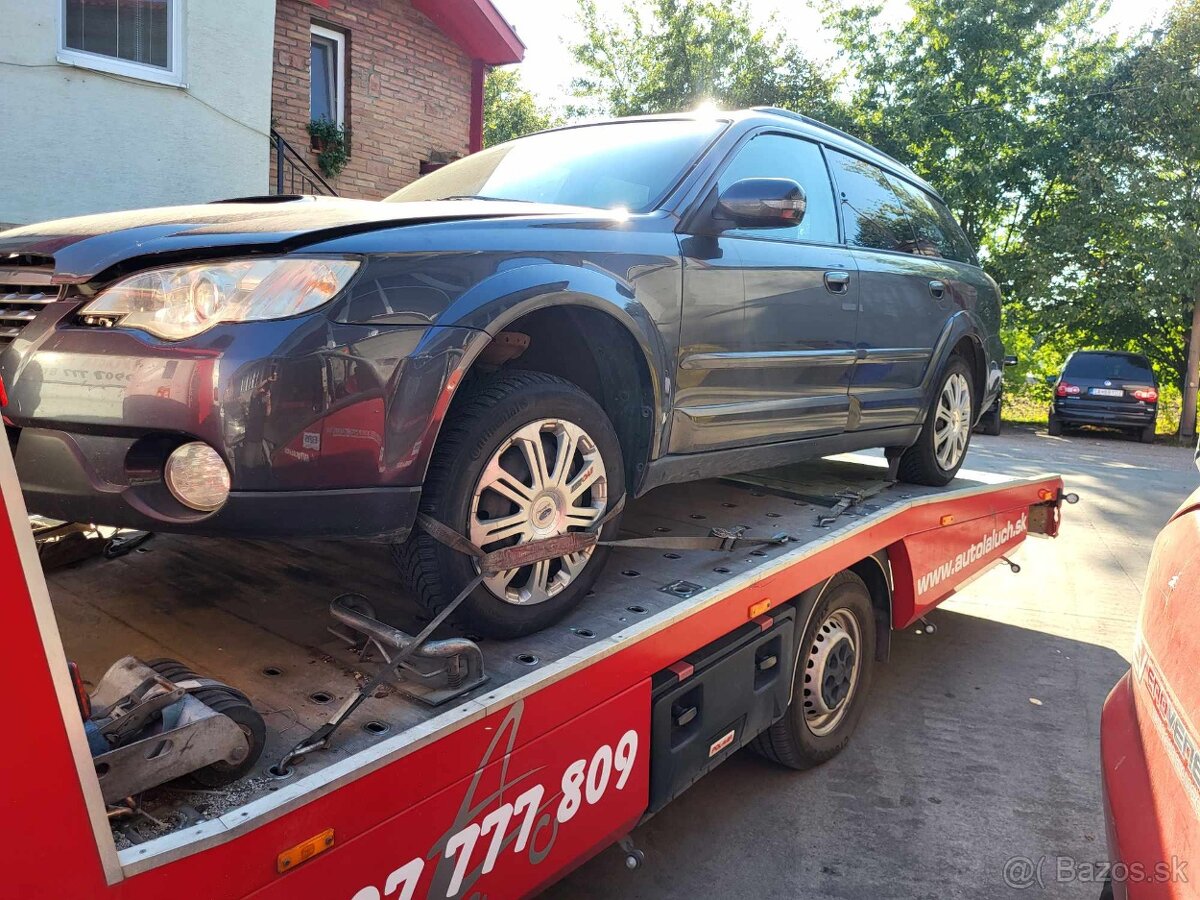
(477, 27)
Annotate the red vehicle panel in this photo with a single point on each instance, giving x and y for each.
(1150, 743)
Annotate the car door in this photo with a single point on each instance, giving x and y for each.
(907, 293)
(769, 314)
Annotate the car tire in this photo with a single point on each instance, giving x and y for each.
(1146, 435)
(1054, 425)
(810, 733)
(990, 424)
(493, 426)
(924, 462)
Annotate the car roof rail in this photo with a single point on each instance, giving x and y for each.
(845, 135)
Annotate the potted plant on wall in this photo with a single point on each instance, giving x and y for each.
(332, 144)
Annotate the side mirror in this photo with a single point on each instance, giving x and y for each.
(763, 203)
(1010, 360)
(1050, 379)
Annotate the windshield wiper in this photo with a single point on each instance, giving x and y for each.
(484, 197)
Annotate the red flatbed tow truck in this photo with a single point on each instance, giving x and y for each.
(577, 734)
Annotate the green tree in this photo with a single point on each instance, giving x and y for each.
(672, 55)
(984, 98)
(1117, 250)
(510, 110)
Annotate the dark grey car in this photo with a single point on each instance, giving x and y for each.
(510, 344)
(1109, 388)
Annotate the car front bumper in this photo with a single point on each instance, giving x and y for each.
(325, 428)
(63, 477)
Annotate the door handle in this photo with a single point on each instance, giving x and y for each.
(937, 289)
(837, 282)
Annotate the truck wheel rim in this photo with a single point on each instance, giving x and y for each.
(952, 421)
(831, 672)
(546, 479)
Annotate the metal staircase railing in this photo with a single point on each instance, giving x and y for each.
(291, 173)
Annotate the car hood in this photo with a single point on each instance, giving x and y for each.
(86, 246)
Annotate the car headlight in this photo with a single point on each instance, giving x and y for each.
(183, 301)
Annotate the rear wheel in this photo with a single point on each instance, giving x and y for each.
(833, 677)
(1054, 425)
(990, 423)
(942, 445)
(524, 456)
(1147, 434)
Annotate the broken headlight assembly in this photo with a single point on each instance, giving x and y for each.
(183, 301)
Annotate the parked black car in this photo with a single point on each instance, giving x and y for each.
(510, 344)
(1106, 387)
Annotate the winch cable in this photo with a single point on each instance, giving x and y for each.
(514, 557)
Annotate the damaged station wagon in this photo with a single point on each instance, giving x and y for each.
(509, 345)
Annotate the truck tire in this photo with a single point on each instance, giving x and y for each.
(945, 437)
(1054, 426)
(834, 665)
(509, 450)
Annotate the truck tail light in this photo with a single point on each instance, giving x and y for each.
(1148, 395)
(1067, 390)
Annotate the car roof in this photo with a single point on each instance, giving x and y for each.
(792, 121)
(1128, 353)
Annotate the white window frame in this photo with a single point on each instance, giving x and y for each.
(173, 76)
(338, 39)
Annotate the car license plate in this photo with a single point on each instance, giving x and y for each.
(1107, 392)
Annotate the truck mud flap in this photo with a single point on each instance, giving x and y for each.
(710, 703)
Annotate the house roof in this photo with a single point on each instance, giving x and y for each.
(477, 27)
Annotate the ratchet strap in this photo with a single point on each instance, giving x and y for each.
(502, 560)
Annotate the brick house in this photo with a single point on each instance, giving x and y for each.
(403, 77)
(177, 101)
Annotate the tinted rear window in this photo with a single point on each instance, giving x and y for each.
(1109, 366)
(874, 216)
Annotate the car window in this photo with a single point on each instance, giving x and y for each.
(959, 247)
(1109, 366)
(615, 165)
(936, 232)
(874, 216)
(779, 156)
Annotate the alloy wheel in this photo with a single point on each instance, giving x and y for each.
(546, 479)
(952, 422)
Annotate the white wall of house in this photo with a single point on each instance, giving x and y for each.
(74, 140)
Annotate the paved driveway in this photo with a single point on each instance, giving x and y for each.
(981, 741)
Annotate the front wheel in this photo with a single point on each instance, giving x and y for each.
(523, 456)
(834, 665)
(942, 445)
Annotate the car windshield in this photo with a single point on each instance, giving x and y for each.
(1110, 366)
(626, 165)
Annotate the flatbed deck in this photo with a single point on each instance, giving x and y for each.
(256, 615)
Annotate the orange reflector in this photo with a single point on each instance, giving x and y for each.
(304, 851)
(1046, 494)
(757, 609)
(947, 520)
